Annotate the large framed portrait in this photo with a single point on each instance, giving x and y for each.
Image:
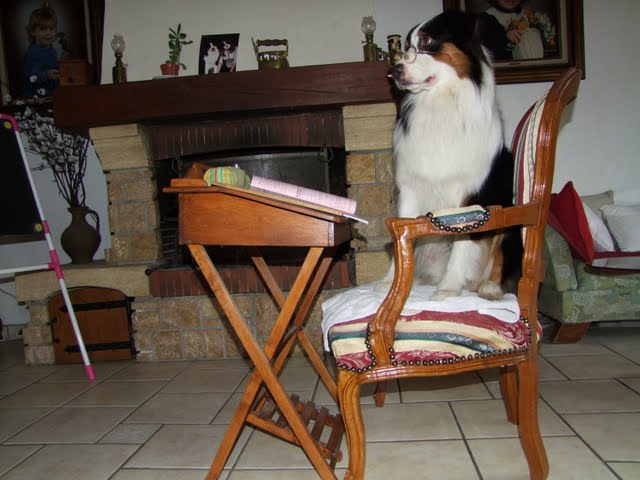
(530, 40)
(34, 33)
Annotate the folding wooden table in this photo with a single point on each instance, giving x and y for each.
(226, 215)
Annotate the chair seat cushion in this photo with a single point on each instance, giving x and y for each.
(425, 336)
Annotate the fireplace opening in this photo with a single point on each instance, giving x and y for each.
(317, 168)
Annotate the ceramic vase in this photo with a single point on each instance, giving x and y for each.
(80, 240)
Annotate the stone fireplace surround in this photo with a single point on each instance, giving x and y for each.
(175, 317)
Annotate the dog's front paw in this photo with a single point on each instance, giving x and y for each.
(490, 291)
(440, 295)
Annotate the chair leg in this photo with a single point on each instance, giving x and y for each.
(349, 398)
(380, 394)
(529, 429)
(509, 390)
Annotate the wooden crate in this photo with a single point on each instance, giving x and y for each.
(104, 318)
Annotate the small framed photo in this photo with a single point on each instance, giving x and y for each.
(530, 40)
(218, 53)
(36, 35)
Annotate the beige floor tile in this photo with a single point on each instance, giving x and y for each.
(12, 420)
(410, 421)
(12, 455)
(274, 475)
(626, 471)
(629, 349)
(65, 462)
(267, 452)
(73, 425)
(589, 396)
(234, 363)
(157, 474)
(201, 380)
(466, 386)
(44, 395)
(569, 459)
(581, 348)
(225, 414)
(487, 419)
(595, 366)
(149, 371)
(22, 369)
(77, 373)
(444, 460)
(185, 446)
(633, 383)
(117, 394)
(298, 377)
(186, 408)
(614, 436)
(11, 382)
(136, 433)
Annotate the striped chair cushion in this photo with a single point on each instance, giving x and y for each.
(428, 336)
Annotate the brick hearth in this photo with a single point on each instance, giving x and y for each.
(185, 281)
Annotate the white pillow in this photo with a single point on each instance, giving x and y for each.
(602, 241)
(624, 224)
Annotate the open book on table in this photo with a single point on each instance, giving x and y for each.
(346, 206)
(235, 178)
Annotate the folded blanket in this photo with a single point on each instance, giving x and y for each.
(364, 300)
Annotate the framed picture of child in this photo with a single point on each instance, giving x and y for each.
(35, 35)
(529, 40)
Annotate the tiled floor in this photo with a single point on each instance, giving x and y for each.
(164, 421)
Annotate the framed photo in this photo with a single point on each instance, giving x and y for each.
(218, 53)
(533, 42)
(77, 35)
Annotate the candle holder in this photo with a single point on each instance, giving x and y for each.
(369, 49)
(119, 70)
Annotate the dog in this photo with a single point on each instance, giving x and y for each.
(449, 151)
(212, 59)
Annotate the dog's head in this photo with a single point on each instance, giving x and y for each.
(444, 49)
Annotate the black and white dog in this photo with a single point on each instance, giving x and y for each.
(449, 152)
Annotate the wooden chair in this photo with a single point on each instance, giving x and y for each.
(375, 348)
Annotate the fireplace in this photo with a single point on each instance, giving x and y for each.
(343, 110)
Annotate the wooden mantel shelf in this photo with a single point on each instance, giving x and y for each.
(199, 97)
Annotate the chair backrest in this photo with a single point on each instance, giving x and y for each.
(534, 150)
(535, 138)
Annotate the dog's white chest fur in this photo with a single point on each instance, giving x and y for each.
(445, 146)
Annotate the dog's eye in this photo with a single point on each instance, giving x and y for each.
(425, 42)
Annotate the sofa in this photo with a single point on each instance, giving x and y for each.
(581, 287)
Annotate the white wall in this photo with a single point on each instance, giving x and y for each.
(598, 147)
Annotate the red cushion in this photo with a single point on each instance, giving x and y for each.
(567, 217)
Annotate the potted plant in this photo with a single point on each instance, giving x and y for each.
(176, 40)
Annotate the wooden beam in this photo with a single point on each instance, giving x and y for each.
(200, 97)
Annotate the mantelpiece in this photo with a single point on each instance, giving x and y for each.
(198, 97)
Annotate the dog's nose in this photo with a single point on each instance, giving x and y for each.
(395, 72)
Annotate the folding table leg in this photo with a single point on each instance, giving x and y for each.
(262, 365)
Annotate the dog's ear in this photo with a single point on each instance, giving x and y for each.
(480, 33)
